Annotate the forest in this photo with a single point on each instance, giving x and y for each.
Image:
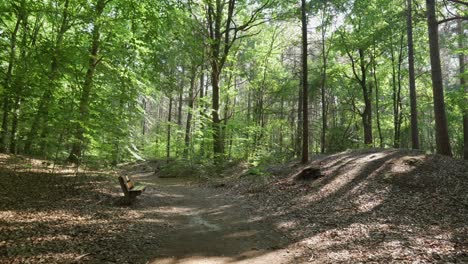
(109, 81)
(361, 105)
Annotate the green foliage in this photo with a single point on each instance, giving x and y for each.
(151, 51)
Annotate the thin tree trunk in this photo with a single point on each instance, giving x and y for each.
(305, 97)
(442, 135)
(179, 105)
(280, 132)
(377, 99)
(398, 115)
(143, 122)
(396, 142)
(77, 146)
(201, 106)
(367, 93)
(412, 79)
(324, 80)
(189, 114)
(463, 87)
(299, 123)
(169, 120)
(216, 121)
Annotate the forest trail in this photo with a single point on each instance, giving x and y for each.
(206, 225)
(377, 206)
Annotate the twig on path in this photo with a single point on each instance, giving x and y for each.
(82, 256)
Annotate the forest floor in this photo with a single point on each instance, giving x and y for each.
(371, 206)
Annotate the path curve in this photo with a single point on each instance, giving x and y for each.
(206, 225)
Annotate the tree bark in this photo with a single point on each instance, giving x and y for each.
(305, 94)
(412, 79)
(181, 99)
(396, 96)
(463, 87)
(298, 136)
(169, 120)
(324, 80)
(189, 114)
(442, 135)
(377, 99)
(77, 146)
(367, 93)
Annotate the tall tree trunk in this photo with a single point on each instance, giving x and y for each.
(169, 120)
(216, 121)
(399, 75)
(377, 98)
(143, 121)
(202, 112)
(181, 100)
(412, 79)
(189, 114)
(298, 136)
(7, 85)
(305, 94)
(463, 87)
(77, 146)
(442, 135)
(367, 93)
(323, 82)
(396, 84)
(280, 132)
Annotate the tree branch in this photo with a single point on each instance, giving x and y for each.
(451, 19)
(458, 2)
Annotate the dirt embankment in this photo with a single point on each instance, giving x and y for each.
(388, 206)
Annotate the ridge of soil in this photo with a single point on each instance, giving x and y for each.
(382, 206)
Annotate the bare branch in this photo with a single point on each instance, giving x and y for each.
(451, 19)
(458, 2)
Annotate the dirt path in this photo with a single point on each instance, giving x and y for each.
(204, 225)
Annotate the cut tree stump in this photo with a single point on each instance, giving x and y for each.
(309, 174)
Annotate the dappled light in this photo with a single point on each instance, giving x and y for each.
(370, 206)
(233, 131)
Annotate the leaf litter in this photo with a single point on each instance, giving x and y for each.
(370, 206)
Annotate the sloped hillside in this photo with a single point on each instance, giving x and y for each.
(373, 206)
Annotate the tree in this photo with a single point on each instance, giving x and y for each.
(93, 61)
(41, 117)
(305, 87)
(411, 76)
(223, 32)
(463, 86)
(442, 135)
(7, 82)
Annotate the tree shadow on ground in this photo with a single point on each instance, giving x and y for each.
(374, 206)
(380, 206)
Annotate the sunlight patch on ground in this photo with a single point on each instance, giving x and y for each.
(197, 220)
(374, 241)
(249, 257)
(286, 225)
(242, 234)
(369, 201)
(337, 183)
